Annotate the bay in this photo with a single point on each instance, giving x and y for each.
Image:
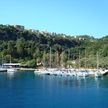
(27, 90)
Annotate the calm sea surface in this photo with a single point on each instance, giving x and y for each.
(27, 90)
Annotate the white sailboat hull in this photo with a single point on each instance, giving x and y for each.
(11, 70)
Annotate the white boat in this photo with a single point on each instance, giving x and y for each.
(97, 74)
(11, 70)
(54, 71)
(48, 71)
(3, 69)
(81, 74)
(100, 72)
(41, 71)
(11, 67)
(91, 72)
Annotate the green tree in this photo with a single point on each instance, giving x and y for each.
(20, 44)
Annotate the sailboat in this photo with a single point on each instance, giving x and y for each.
(10, 66)
(81, 72)
(100, 72)
(41, 71)
(97, 72)
(44, 70)
(2, 69)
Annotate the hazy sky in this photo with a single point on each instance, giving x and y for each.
(71, 17)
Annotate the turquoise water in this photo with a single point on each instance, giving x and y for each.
(27, 90)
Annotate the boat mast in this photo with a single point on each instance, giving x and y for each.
(10, 59)
(68, 55)
(68, 58)
(57, 60)
(79, 61)
(44, 59)
(62, 55)
(97, 61)
(50, 57)
(2, 58)
(85, 60)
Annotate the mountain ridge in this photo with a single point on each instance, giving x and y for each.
(28, 45)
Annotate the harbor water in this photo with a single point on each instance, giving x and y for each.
(28, 90)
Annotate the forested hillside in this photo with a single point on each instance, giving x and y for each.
(30, 47)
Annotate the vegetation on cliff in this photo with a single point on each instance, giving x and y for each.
(30, 47)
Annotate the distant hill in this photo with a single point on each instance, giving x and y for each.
(32, 46)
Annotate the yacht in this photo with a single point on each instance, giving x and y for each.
(41, 71)
(3, 69)
(11, 67)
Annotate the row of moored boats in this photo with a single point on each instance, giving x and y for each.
(71, 72)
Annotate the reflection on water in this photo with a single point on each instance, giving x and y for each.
(27, 90)
(97, 82)
(11, 75)
(104, 82)
(79, 82)
(69, 81)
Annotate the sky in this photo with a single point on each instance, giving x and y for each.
(71, 17)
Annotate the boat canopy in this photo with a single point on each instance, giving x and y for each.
(11, 64)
